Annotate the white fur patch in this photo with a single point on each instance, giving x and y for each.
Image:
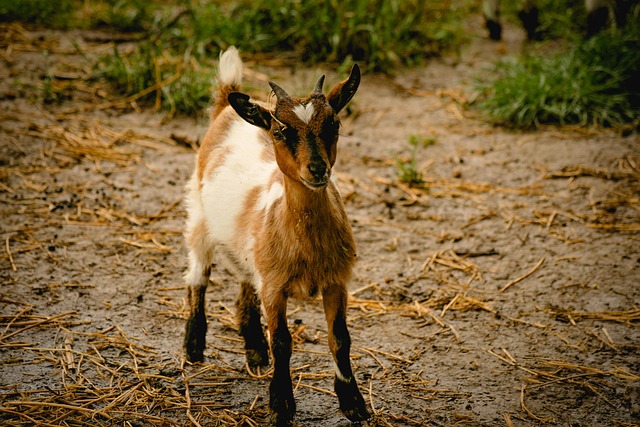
(304, 112)
(224, 190)
(275, 192)
(339, 374)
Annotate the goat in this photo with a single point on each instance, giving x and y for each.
(262, 196)
(597, 16)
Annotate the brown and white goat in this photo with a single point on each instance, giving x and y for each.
(261, 197)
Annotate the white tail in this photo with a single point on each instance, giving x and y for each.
(230, 68)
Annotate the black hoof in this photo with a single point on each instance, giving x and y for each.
(195, 356)
(351, 402)
(281, 421)
(282, 408)
(257, 358)
(357, 415)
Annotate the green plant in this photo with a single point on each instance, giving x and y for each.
(407, 170)
(594, 82)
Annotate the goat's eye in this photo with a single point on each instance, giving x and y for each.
(278, 134)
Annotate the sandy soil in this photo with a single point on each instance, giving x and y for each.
(504, 292)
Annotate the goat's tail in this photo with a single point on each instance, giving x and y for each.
(229, 79)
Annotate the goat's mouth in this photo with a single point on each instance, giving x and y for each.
(318, 185)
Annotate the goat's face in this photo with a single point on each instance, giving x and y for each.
(304, 131)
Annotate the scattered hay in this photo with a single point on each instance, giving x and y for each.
(570, 316)
(103, 376)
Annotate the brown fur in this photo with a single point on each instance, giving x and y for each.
(248, 220)
(197, 237)
(209, 156)
(291, 257)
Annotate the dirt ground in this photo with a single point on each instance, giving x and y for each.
(504, 292)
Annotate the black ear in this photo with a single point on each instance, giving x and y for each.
(344, 91)
(252, 113)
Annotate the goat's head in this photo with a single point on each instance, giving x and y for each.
(304, 130)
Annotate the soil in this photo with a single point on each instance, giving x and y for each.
(502, 291)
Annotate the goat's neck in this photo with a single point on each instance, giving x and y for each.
(299, 200)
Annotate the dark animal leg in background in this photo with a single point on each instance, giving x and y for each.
(351, 401)
(495, 29)
(597, 20)
(530, 23)
(248, 318)
(623, 10)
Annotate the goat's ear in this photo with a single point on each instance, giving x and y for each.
(344, 91)
(250, 112)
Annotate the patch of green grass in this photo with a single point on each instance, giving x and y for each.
(184, 85)
(191, 93)
(117, 15)
(593, 83)
(564, 19)
(408, 170)
(381, 33)
(36, 11)
(559, 19)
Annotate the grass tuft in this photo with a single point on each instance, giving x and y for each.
(185, 86)
(408, 170)
(593, 83)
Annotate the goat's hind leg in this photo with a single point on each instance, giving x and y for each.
(196, 329)
(248, 318)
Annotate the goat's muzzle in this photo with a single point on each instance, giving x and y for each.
(318, 177)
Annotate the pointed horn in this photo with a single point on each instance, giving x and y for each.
(280, 93)
(318, 89)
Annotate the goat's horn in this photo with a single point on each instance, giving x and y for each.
(319, 84)
(280, 93)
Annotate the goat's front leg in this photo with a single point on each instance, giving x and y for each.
(335, 308)
(196, 330)
(281, 402)
(248, 317)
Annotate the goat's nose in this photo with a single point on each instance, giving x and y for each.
(318, 169)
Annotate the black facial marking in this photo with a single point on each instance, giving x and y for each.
(329, 132)
(312, 144)
(291, 139)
